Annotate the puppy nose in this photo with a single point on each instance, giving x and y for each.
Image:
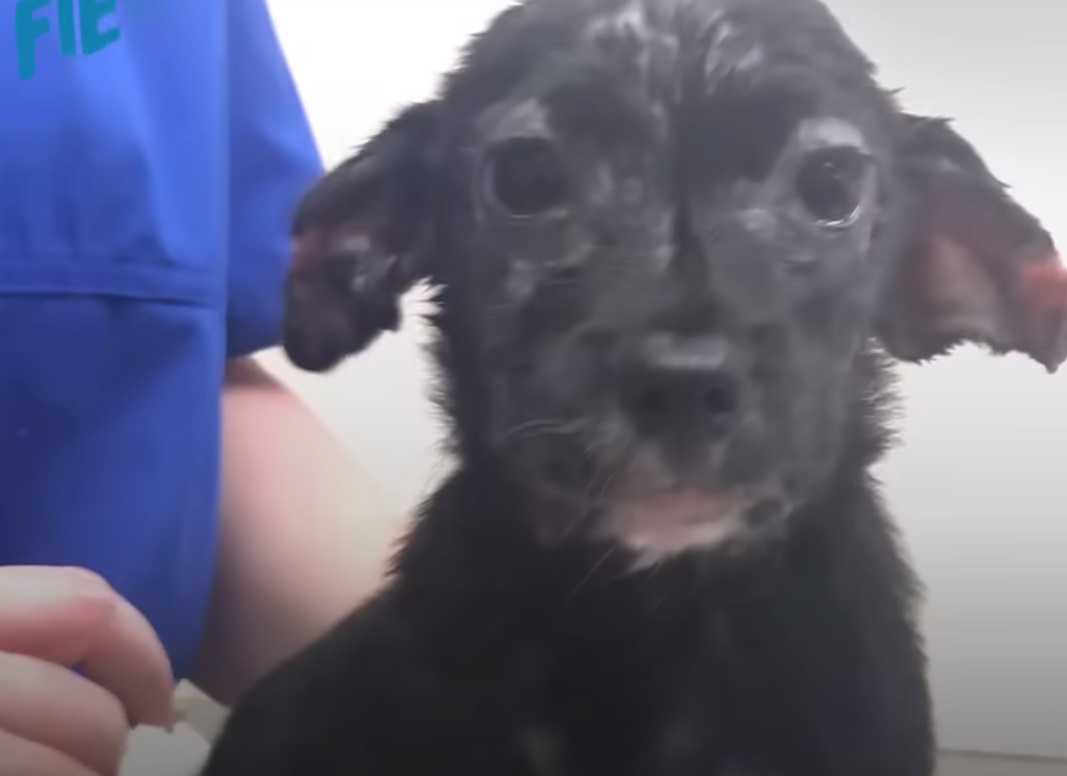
(680, 382)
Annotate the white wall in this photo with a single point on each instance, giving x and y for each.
(980, 486)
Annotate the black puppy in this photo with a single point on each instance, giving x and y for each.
(677, 243)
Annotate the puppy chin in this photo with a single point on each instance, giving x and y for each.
(657, 527)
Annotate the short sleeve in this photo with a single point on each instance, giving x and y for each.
(273, 161)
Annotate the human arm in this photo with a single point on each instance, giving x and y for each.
(305, 535)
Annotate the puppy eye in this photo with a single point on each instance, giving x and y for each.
(526, 177)
(830, 184)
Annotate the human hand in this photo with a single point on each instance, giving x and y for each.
(54, 722)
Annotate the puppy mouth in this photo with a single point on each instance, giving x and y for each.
(659, 525)
(600, 482)
(654, 521)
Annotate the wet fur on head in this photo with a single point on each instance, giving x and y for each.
(676, 245)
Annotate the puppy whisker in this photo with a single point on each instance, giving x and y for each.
(592, 572)
(535, 428)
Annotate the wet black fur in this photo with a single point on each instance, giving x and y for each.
(496, 652)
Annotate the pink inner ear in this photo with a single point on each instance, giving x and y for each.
(306, 247)
(1011, 300)
(1043, 288)
(958, 285)
(313, 245)
(957, 297)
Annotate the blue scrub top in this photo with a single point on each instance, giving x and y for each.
(145, 199)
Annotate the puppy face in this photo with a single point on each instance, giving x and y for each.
(669, 233)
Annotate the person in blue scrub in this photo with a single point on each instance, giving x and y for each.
(167, 510)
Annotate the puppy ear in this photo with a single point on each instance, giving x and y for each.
(361, 238)
(977, 266)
